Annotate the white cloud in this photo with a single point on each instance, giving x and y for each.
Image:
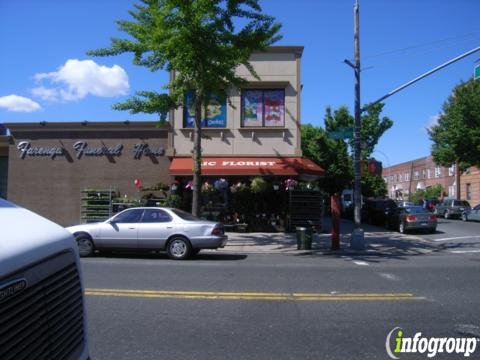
(78, 78)
(18, 103)
(46, 94)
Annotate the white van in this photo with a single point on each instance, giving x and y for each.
(42, 311)
(347, 198)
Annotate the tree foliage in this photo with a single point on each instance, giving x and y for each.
(203, 42)
(373, 127)
(456, 137)
(373, 186)
(333, 155)
(434, 192)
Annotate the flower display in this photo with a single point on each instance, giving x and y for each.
(221, 184)
(290, 184)
(237, 187)
(207, 187)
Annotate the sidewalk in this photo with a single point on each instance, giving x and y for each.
(378, 242)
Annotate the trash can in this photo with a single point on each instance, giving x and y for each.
(304, 238)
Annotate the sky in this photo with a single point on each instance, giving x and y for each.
(45, 74)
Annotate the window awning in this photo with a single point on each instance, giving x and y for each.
(288, 166)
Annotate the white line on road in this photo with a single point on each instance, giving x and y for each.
(362, 263)
(465, 251)
(389, 276)
(457, 238)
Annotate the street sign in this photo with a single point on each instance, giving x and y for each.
(341, 134)
(476, 73)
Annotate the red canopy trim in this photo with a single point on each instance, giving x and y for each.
(289, 166)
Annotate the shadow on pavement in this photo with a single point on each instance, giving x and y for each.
(380, 244)
(218, 257)
(155, 255)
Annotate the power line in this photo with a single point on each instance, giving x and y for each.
(389, 52)
(397, 60)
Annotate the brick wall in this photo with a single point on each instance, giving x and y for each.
(51, 186)
(422, 173)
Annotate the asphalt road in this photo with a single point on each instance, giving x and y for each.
(456, 236)
(273, 306)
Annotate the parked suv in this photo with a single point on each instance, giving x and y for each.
(375, 211)
(450, 208)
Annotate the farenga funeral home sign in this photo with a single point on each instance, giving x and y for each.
(81, 149)
(26, 149)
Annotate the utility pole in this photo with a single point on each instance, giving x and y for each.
(357, 241)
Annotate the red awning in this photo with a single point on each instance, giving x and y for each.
(291, 166)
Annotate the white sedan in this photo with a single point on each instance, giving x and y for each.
(177, 232)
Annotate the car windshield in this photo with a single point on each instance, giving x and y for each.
(184, 215)
(414, 209)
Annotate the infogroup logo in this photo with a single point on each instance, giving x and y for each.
(429, 346)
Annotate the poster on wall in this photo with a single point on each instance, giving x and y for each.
(252, 101)
(274, 101)
(216, 113)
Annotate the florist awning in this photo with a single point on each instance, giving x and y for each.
(291, 166)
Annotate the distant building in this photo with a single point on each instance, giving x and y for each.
(419, 174)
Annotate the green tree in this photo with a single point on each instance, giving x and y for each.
(456, 137)
(330, 154)
(418, 195)
(373, 127)
(434, 192)
(201, 42)
(373, 186)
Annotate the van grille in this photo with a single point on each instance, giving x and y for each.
(45, 320)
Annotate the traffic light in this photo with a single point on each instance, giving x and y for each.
(371, 167)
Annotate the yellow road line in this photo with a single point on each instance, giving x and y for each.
(250, 295)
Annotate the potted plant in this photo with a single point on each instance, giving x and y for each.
(258, 185)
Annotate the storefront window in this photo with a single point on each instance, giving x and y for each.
(263, 108)
(216, 114)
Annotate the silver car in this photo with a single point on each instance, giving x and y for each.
(471, 214)
(177, 232)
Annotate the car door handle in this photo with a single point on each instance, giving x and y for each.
(169, 227)
(132, 228)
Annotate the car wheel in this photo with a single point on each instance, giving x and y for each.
(179, 248)
(85, 245)
(401, 227)
(464, 217)
(433, 230)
